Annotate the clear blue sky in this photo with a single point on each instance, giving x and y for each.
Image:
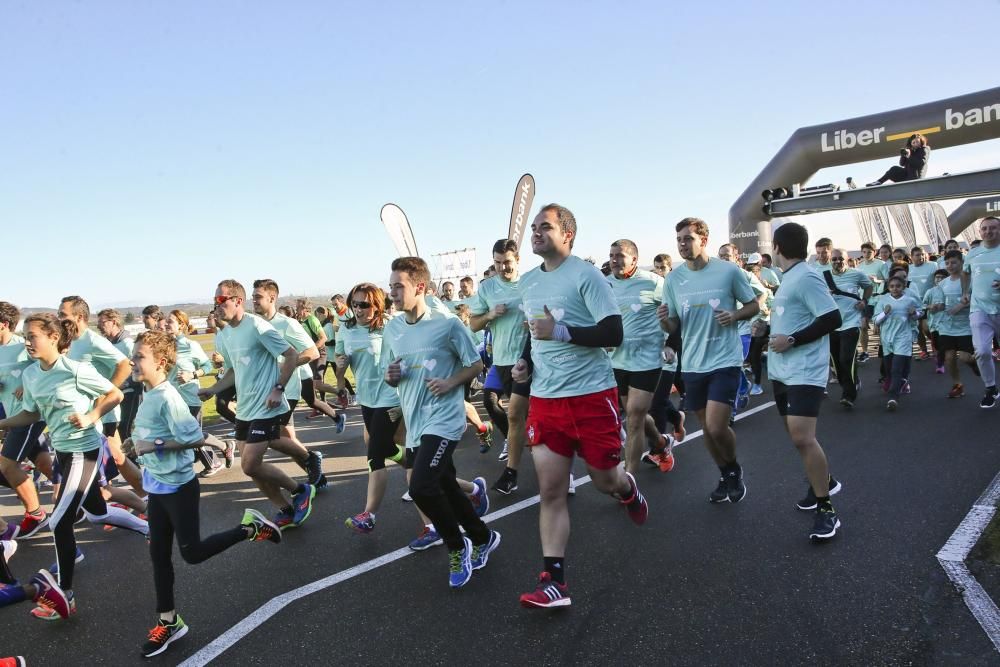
(150, 149)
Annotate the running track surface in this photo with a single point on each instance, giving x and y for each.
(699, 584)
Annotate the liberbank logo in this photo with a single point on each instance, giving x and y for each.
(954, 119)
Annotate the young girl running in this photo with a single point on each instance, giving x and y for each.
(896, 314)
(192, 363)
(71, 397)
(168, 475)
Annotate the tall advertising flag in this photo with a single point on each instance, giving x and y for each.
(904, 222)
(524, 195)
(399, 230)
(941, 218)
(880, 220)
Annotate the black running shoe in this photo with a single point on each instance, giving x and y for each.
(721, 493)
(314, 467)
(809, 502)
(825, 526)
(989, 398)
(507, 484)
(736, 490)
(162, 635)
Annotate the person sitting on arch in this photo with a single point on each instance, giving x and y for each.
(912, 162)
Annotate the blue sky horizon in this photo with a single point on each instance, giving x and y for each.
(153, 149)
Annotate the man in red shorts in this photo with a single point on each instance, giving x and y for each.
(572, 316)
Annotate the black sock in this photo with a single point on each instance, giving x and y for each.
(823, 502)
(556, 568)
(730, 467)
(287, 509)
(300, 488)
(511, 473)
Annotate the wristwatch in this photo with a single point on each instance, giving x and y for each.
(279, 386)
(791, 341)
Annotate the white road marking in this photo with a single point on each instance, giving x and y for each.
(258, 617)
(954, 552)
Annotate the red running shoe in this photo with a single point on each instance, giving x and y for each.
(638, 508)
(547, 593)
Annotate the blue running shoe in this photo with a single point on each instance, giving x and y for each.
(481, 501)
(341, 422)
(302, 504)
(481, 552)
(284, 519)
(460, 564)
(54, 568)
(425, 540)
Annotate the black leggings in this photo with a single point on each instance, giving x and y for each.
(81, 487)
(222, 400)
(662, 409)
(177, 514)
(434, 488)
(757, 346)
(843, 349)
(896, 175)
(491, 401)
(130, 406)
(381, 436)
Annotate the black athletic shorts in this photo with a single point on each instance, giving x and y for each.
(24, 442)
(641, 380)
(109, 429)
(286, 418)
(510, 388)
(797, 400)
(957, 343)
(719, 385)
(258, 430)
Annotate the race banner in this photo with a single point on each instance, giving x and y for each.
(864, 225)
(398, 228)
(904, 222)
(524, 195)
(880, 221)
(926, 215)
(941, 220)
(455, 265)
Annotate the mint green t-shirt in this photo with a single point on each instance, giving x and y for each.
(509, 332)
(190, 356)
(746, 326)
(770, 276)
(932, 296)
(331, 340)
(577, 295)
(638, 297)
(851, 281)
(922, 277)
(252, 349)
(983, 265)
(693, 297)
(804, 296)
(13, 360)
(68, 388)
(873, 270)
(293, 332)
(363, 349)
(125, 345)
(950, 294)
(436, 346)
(164, 414)
(896, 330)
(98, 351)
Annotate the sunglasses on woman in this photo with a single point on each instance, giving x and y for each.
(360, 305)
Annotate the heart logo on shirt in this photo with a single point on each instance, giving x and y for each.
(429, 364)
(557, 313)
(714, 303)
(520, 307)
(141, 433)
(636, 307)
(245, 361)
(780, 310)
(16, 372)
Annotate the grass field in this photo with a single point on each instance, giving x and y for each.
(209, 414)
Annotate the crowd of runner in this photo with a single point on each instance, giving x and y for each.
(572, 360)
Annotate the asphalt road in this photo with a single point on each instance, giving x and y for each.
(698, 584)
